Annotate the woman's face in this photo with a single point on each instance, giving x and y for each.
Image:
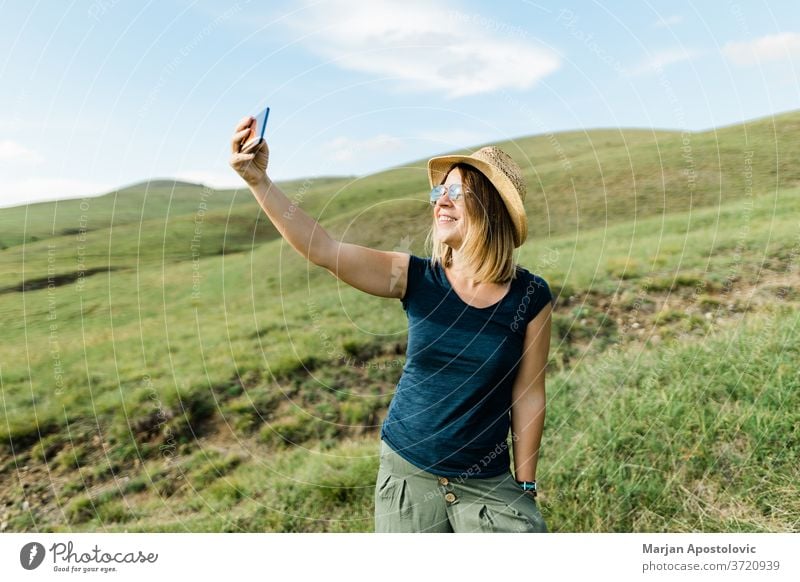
(451, 216)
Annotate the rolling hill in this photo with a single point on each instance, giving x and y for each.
(168, 366)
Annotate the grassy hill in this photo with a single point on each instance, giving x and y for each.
(134, 204)
(187, 370)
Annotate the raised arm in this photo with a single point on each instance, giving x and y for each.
(381, 273)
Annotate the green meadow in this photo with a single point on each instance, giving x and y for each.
(169, 363)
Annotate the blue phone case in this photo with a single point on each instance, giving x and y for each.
(264, 124)
(261, 120)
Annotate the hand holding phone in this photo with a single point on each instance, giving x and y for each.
(256, 132)
(249, 151)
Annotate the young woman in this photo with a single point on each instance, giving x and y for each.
(478, 343)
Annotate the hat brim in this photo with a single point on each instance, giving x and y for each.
(439, 166)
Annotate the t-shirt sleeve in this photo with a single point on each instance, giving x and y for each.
(416, 271)
(540, 296)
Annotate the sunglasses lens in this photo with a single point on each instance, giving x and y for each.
(454, 192)
(436, 193)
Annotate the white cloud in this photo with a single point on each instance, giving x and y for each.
(773, 47)
(426, 47)
(13, 152)
(218, 180)
(661, 59)
(669, 21)
(345, 149)
(33, 190)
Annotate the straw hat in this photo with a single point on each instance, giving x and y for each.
(502, 171)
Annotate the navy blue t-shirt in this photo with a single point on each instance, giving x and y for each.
(450, 414)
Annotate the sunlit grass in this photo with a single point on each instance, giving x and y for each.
(240, 388)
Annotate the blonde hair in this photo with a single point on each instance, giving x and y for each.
(488, 246)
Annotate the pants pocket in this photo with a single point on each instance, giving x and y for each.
(494, 519)
(392, 488)
(521, 516)
(392, 506)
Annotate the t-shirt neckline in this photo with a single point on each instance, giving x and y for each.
(458, 297)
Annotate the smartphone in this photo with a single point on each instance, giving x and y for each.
(256, 132)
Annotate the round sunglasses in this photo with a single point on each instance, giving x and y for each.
(454, 192)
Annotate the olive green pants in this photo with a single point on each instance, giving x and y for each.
(408, 499)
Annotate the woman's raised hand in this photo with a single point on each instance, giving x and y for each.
(252, 166)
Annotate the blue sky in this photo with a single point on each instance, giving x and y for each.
(100, 94)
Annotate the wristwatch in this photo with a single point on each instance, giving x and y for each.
(528, 486)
